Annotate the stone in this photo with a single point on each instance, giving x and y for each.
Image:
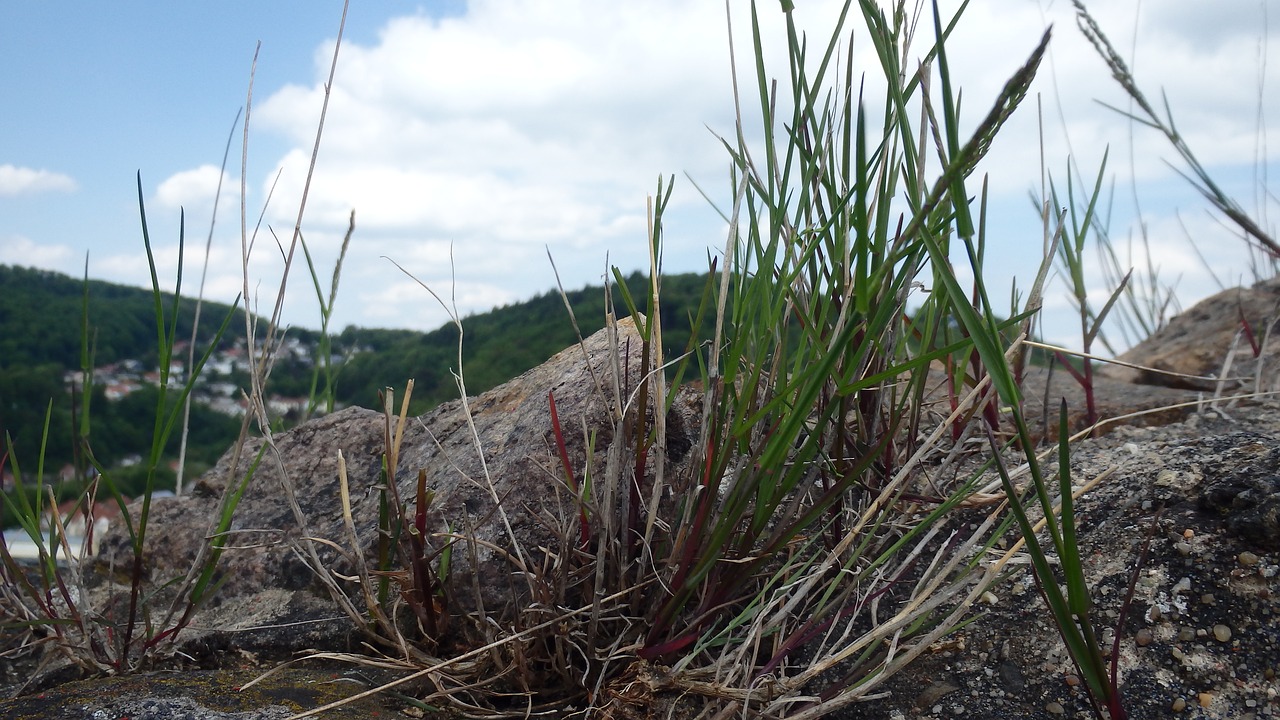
(1160, 483)
(1244, 488)
(202, 694)
(1176, 661)
(268, 581)
(1143, 405)
(1197, 341)
(1143, 637)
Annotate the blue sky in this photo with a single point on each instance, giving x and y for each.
(99, 92)
(470, 138)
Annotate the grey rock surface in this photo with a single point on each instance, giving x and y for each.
(1244, 489)
(1202, 631)
(187, 694)
(1198, 341)
(271, 598)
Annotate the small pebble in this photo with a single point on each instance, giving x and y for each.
(1208, 599)
(1247, 559)
(1143, 637)
(1188, 533)
(1072, 680)
(1179, 705)
(1206, 699)
(1183, 548)
(1055, 708)
(1186, 634)
(1222, 632)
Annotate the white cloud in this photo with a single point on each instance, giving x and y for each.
(19, 250)
(222, 283)
(22, 181)
(526, 119)
(469, 144)
(1166, 260)
(196, 188)
(385, 305)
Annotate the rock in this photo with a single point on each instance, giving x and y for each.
(1243, 487)
(1180, 483)
(934, 692)
(1172, 643)
(1197, 341)
(1043, 391)
(202, 694)
(268, 583)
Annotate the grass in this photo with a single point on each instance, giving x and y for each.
(821, 533)
(51, 605)
(809, 555)
(57, 607)
(1073, 237)
(808, 402)
(810, 507)
(1146, 115)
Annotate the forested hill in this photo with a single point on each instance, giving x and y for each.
(41, 321)
(41, 316)
(499, 344)
(41, 325)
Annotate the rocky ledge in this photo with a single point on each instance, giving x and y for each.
(1187, 512)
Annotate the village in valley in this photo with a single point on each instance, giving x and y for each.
(221, 386)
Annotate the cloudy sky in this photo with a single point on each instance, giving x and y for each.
(472, 137)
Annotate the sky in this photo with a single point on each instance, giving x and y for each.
(475, 139)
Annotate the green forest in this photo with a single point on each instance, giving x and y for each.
(499, 344)
(41, 312)
(42, 336)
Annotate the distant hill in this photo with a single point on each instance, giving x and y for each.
(499, 344)
(41, 310)
(40, 324)
(40, 340)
